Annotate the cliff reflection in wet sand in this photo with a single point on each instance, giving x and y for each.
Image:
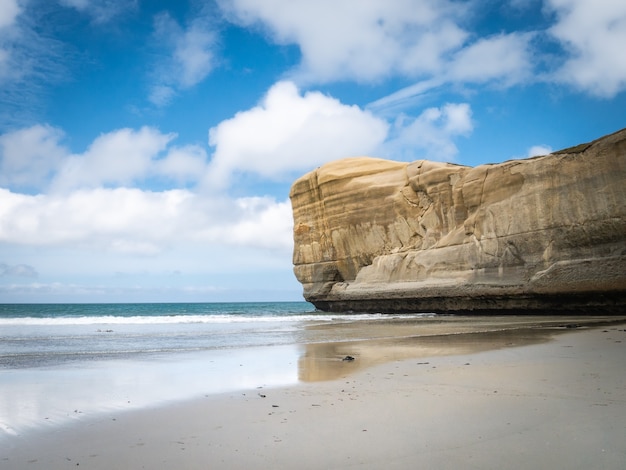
(326, 361)
(397, 339)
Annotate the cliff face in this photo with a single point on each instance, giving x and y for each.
(546, 233)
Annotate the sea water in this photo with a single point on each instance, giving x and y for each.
(60, 362)
(52, 334)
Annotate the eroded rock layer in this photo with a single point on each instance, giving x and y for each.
(541, 234)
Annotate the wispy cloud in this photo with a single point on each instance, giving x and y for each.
(400, 99)
(538, 150)
(189, 57)
(431, 135)
(501, 60)
(29, 61)
(593, 34)
(101, 11)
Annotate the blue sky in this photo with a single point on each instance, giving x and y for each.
(147, 147)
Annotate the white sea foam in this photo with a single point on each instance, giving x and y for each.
(186, 319)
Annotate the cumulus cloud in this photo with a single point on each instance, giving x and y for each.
(29, 156)
(267, 224)
(190, 56)
(594, 34)
(290, 132)
(34, 159)
(93, 200)
(373, 41)
(183, 165)
(431, 135)
(380, 39)
(133, 221)
(116, 158)
(96, 199)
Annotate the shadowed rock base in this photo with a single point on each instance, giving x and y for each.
(609, 303)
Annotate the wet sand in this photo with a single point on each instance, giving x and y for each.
(549, 395)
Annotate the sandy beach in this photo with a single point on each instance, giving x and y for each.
(552, 397)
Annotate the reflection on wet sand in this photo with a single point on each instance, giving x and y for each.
(398, 339)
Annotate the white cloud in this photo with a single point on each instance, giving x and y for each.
(92, 202)
(28, 157)
(266, 224)
(538, 150)
(193, 54)
(161, 95)
(373, 40)
(133, 221)
(116, 158)
(34, 159)
(190, 56)
(504, 57)
(183, 165)
(80, 211)
(398, 99)
(431, 135)
(380, 39)
(428, 41)
(594, 34)
(290, 132)
(9, 9)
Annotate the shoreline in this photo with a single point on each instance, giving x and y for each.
(559, 403)
(65, 392)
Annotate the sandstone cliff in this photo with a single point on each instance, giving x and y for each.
(545, 233)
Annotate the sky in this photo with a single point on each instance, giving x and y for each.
(147, 147)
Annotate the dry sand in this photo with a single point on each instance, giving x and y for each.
(560, 404)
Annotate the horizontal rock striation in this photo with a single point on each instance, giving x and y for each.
(541, 234)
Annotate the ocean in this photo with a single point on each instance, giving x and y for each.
(62, 361)
(39, 335)
(66, 362)
(50, 334)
